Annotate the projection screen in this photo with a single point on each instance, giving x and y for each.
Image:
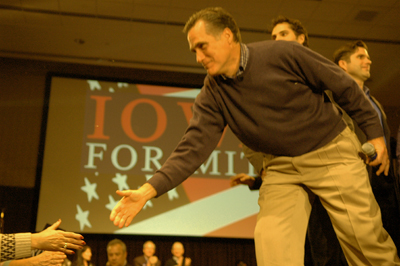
(102, 136)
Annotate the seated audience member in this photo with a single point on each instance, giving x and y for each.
(116, 253)
(177, 256)
(148, 258)
(16, 246)
(241, 263)
(83, 257)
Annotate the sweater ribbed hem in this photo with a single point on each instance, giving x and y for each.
(23, 245)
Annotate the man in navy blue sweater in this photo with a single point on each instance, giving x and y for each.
(272, 97)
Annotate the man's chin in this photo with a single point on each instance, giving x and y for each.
(212, 73)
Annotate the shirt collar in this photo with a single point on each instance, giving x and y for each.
(244, 57)
(366, 91)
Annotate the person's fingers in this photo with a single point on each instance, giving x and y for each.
(123, 220)
(233, 183)
(384, 168)
(66, 241)
(115, 211)
(124, 193)
(117, 218)
(387, 168)
(55, 225)
(113, 214)
(68, 247)
(73, 238)
(128, 221)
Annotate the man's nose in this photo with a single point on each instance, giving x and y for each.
(199, 57)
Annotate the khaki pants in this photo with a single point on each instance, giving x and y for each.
(338, 176)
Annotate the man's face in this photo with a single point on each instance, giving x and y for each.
(359, 65)
(211, 51)
(149, 250)
(283, 32)
(116, 255)
(177, 250)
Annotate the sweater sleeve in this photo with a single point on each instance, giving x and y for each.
(321, 73)
(15, 246)
(200, 139)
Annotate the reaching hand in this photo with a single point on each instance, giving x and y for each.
(57, 240)
(130, 205)
(242, 179)
(382, 158)
(46, 258)
(49, 258)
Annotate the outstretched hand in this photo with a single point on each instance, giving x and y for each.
(242, 179)
(52, 239)
(49, 258)
(130, 205)
(46, 258)
(382, 158)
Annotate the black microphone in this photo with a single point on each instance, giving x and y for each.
(369, 150)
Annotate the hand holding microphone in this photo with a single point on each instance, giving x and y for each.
(377, 154)
(369, 150)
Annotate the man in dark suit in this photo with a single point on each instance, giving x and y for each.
(148, 258)
(116, 253)
(355, 60)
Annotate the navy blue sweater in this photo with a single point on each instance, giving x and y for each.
(277, 107)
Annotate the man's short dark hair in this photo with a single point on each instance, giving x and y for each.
(216, 20)
(117, 242)
(294, 24)
(344, 52)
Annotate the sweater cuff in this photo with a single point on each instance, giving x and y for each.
(23, 245)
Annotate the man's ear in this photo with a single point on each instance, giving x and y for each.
(227, 33)
(301, 38)
(343, 65)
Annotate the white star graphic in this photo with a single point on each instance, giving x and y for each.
(90, 189)
(122, 84)
(173, 194)
(94, 85)
(148, 203)
(82, 217)
(111, 203)
(120, 180)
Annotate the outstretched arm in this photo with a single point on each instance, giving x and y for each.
(130, 205)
